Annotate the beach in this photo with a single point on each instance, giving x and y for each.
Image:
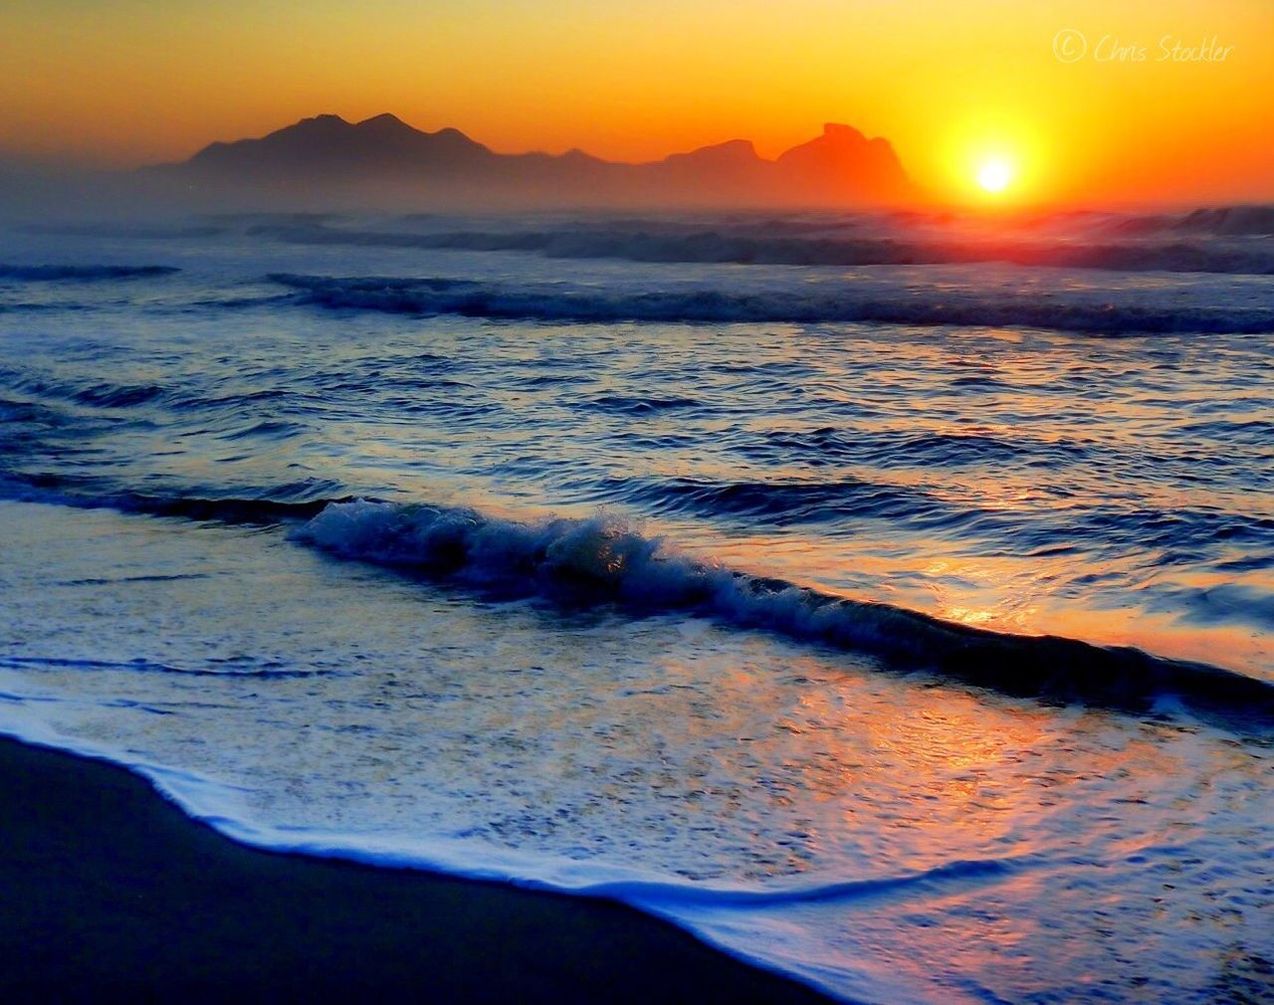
(111, 892)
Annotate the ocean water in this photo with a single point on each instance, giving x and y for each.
(887, 600)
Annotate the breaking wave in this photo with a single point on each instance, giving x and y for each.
(583, 562)
(603, 560)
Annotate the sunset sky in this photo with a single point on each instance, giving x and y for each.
(1074, 98)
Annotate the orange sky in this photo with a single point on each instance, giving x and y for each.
(949, 83)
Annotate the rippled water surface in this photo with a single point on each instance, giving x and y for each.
(642, 599)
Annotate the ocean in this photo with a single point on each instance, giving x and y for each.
(886, 599)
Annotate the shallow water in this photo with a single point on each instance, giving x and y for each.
(692, 701)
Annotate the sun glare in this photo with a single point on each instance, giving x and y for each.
(995, 175)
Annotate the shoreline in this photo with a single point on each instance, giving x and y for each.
(110, 889)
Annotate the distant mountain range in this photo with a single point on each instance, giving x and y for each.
(382, 160)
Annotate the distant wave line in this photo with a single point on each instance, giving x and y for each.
(557, 303)
(1138, 253)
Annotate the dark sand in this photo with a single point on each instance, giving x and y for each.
(110, 892)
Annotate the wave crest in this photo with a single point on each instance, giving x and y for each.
(604, 560)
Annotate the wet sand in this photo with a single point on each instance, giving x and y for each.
(109, 891)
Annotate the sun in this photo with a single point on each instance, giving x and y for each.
(995, 174)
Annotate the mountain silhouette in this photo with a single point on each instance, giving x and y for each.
(328, 145)
(383, 160)
(842, 152)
